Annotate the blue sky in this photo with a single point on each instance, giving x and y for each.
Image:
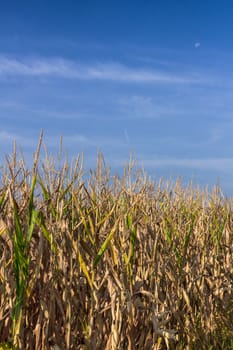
(150, 77)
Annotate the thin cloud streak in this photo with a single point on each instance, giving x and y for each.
(67, 69)
(50, 113)
(8, 138)
(145, 107)
(52, 141)
(216, 165)
(25, 141)
(219, 164)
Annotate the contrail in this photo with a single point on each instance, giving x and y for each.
(126, 136)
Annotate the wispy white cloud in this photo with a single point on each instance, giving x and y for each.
(31, 111)
(36, 67)
(62, 68)
(70, 140)
(215, 164)
(52, 141)
(139, 106)
(8, 138)
(78, 139)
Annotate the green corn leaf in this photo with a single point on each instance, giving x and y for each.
(21, 266)
(45, 192)
(33, 220)
(132, 244)
(31, 199)
(19, 237)
(128, 221)
(104, 246)
(168, 235)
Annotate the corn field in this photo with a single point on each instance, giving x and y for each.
(97, 261)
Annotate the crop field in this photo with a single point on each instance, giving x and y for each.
(100, 261)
